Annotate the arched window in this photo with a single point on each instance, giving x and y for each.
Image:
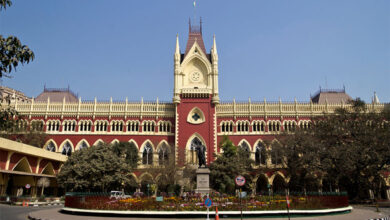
(37, 125)
(246, 148)
(273, 126)
(69, 126)
(117, 126)
(85, 125)
(163, 155)
(148, 126)
(227, 126)
(289, 126)
(260, 155)
(51, 147)
(258, 126)
(242, 126)
(53, 126)
(83, 145)
(147, 155)
(275, 157)
(67, 149)
(132, 126)
(193, 157)
(165, 126)
(101, 126)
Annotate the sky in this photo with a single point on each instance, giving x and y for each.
(267, 49)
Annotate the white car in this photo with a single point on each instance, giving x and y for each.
(118, 195)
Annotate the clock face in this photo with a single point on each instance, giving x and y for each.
(195, 76)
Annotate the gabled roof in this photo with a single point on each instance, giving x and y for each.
(57, 95)
(331, 96)
(195, 35)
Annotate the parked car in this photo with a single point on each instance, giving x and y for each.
(118, 195)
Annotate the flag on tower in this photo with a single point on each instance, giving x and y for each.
(194, 3)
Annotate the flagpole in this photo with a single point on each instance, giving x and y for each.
(194, 11)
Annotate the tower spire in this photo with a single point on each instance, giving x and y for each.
(177, 51)
(214, 48)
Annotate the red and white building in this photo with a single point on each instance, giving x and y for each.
(195, 116)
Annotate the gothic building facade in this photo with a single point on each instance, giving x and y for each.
(196, 116)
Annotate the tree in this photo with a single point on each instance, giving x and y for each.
(98, 168)
(43, 182)
(232, 162)
(13, 127)
(170, 176)
(347, 150)
(12, 51)
(7, 116)
(128, 151)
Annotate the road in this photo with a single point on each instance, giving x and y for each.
(8, 212)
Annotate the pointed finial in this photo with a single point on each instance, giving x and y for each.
(177, 51)
(200, 24)
(214, 45)
(375, 99)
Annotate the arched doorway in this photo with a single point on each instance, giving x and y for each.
(162, 185)
(278, 185)
(131, 186)
(262, 185)
(146, 185)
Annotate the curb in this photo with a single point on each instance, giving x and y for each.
(193, 214)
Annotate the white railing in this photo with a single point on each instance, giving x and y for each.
(264, 109)
(95, 108)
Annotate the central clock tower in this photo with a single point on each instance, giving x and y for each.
(195, 96)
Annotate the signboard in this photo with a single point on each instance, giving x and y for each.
(243, 194)
(159, 199)
(28, 186)
(240, 180)
(208, 202)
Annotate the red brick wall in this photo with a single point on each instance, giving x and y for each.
(186, 129)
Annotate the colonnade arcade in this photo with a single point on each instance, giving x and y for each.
(23, 166)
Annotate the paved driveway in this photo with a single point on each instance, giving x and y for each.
(8, 212)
